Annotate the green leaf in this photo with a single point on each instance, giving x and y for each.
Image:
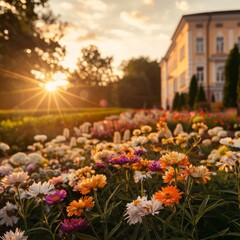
(214, 236)
(82, 236)
(115, 229)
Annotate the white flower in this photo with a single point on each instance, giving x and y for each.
(126, 135)
(117, 138)
(146, 129)
(141, 207)
(35, 158)
(15, 178)
(17, 235)
(60, 139)
(222, 134)
(214, 131)
(153, 137)
(178, 129)
(40, 138)
(73, 142)
(138, 176)
(66, 132)
(6, 214)
(4, 147)
(19, 158)
(206, 142)
(5, 170)
(215, 139)
(230, 142)
(39, 189)
(237, 134)
(228, 161)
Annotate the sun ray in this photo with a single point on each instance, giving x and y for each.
(49, 102)
(39, 103)
(66, 101)
(83, 99)
(14, 74)
(58, 107)
(30, 98)
(25, 90)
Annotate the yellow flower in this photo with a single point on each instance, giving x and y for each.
(77, 207)
(95, 182)
(174, 159)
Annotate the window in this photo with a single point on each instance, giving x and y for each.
(220, 74)
(199, 45)
(199, 25)
(219, 44)
(182, 79)
(200, 74)
(219, 25)
(182, 53)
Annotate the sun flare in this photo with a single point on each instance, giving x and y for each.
(50, 86)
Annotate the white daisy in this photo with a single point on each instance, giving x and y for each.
(17, 235)
(7, 215)
(40, 189)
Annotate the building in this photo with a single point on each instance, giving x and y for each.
(200, 45)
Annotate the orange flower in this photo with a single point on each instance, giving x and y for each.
(169, 195)
(77, 207)
(174, 159)
(169, 175)
(199, 173)
(142, 164)
(95, 182)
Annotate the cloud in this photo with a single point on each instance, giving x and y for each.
(87, 36)
(182, 5)
(96, 5)
(149, 2)
(163, 36)
(66, 5)
(121, 33)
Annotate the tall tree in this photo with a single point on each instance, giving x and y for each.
(193, 88)
(29, 40)
(92, 69)
(151, 71)
(231, 78)
(175, 101)
(201, 97)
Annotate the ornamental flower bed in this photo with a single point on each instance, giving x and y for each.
(128, 177)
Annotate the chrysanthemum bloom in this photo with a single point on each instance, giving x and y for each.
(141, 165)
(140, 176)
(200, 173)
(77, 207)
(73, 224)
(40, 189)
(141, 207)
(95, 182)
(169, 195)
(146, 129)
(140, 151)
(230, 142)
(19, 158)
(170, 177)
(56, 180)
(4, 147)
(15, 178)
(40, 138)
(17, 235)
(119, 160)
(56, 197)
(174, 159)
(154, 166)
(228, 161)
(7, 214)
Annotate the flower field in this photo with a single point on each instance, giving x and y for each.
(140, 175)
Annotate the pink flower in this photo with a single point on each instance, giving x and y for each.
(57, 196)
(73, 224)
(56, 180)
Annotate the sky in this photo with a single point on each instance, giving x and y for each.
(126, 29)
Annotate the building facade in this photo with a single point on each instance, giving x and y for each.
(200, 45)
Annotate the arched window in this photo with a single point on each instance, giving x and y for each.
(220, 74)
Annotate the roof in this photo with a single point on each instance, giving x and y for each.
(185, 17)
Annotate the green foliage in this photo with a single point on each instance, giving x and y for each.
(200, 95)
(193, 88)
(92, 69)
(231, 78)
(25, 128)
(175, 101)
(140, 73)
(133, 91)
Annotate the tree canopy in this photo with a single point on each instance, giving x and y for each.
(141, 79)
(230, 93)
(29, 40)
(92, 69)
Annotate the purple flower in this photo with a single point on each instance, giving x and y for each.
(57, 196)
(99, 165)
(73, 224)
(140, 151)
(121, 159)
(135, 159)
(154, 166)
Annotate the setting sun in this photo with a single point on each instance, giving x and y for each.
(51, 86)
